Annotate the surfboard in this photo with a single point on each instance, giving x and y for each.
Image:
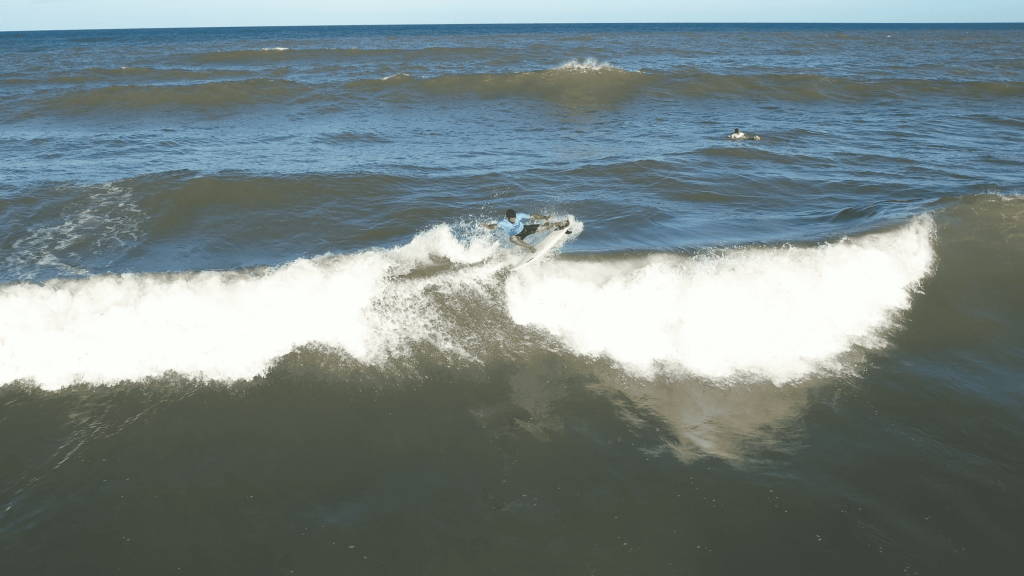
(554, 239)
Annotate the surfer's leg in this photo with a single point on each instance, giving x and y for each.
(529, 229)
(518, 241)
(553, 226)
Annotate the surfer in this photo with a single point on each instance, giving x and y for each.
(514, 224)
(737, 135)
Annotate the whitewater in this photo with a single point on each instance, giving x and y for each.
(773, 313)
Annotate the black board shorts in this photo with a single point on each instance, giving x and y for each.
(527, 230)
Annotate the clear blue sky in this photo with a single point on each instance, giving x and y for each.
(91, 14)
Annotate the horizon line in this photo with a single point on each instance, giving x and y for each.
(523, 24)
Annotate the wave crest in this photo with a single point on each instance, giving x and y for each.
(587, 65)
(574, 82)
(769, 314)
(774, 313)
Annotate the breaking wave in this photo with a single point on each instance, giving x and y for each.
(777, 314)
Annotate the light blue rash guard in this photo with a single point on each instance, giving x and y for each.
(513, 229)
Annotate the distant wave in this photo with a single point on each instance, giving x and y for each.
(574, 81)
(818, 87)
(210, 94)
(132, 74)
(778, 314)
(586, 82)
(139, 74)
(329, 54)
(587, 65)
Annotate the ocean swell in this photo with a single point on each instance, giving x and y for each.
(816, 86)
(204, 95)
(572, 82)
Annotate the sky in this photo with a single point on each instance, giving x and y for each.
(20, 15)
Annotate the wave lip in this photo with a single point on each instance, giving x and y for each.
(779, 314)
(586, 81)
(587, 65)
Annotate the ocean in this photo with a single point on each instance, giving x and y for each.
(250, 322)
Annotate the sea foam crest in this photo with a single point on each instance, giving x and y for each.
(586, 65)
(232, 325)
(778, 314)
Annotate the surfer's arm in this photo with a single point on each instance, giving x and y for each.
(539, 217)
(489, 226)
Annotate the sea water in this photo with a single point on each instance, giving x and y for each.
(249, 322)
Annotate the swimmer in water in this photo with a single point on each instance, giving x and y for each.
(737, 135)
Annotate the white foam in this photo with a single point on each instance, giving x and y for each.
(587, 65)
(778, 314)
(105, 219)
(1003, 195)
(441, 240)
(230, 325)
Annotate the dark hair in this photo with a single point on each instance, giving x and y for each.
(510, 213)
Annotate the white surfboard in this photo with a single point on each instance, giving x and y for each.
(554, 239)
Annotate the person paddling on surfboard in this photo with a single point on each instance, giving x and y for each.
(514, 224)
(737, 135)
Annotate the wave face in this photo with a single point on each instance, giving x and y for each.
(777, 314)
